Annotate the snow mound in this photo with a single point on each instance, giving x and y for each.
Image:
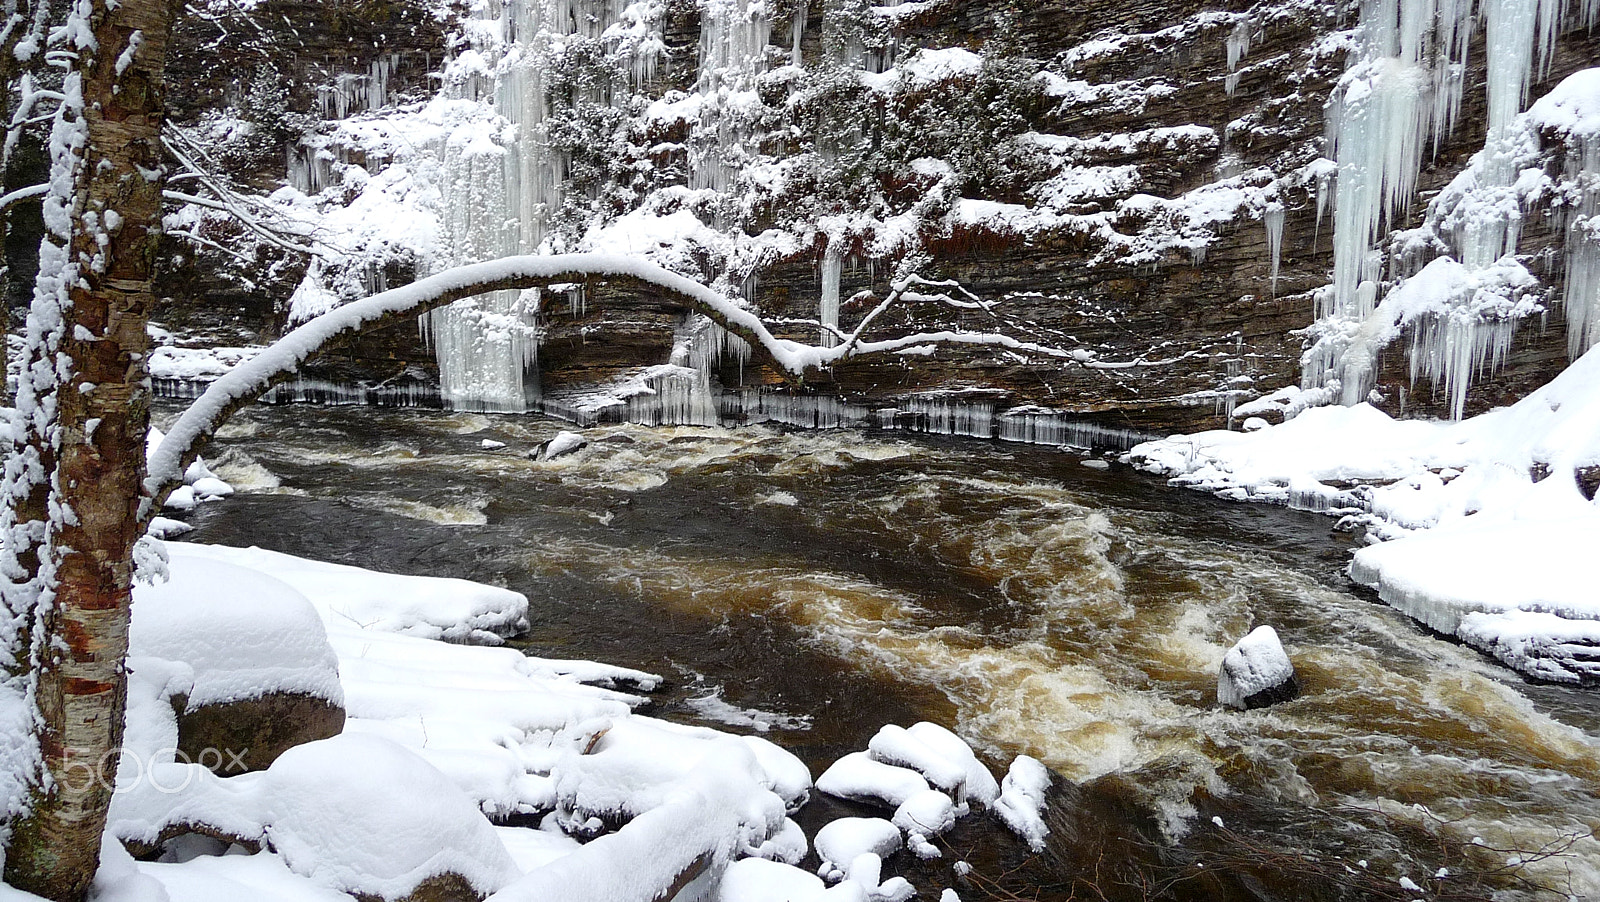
(243, 634)
(1256, 672)
(363, 815)
(841, 842)
(1022, 800)
(858, 777)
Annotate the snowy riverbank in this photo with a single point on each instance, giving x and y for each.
(442, 741)
(1482, 526)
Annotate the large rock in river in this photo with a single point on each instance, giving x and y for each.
(1257, 672)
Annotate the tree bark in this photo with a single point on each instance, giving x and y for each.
(101, 417)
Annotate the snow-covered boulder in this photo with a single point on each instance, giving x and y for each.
(926, 814)
(363, 815)
(981, 785)
(896, 746)
(199, 483)
(263, 676)
(1022, 800)
(1257, 672)
(563, 444)
(839, 843)
(858, 777)
(758, 880)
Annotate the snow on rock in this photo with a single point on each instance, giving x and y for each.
(211, 487)
(490, 444)
(757, 880)
(789, 777)
(436, 732)
(196, 364)
(360, 814)
(167, 528)
(788, 845)
(1022, 800)
(981, 785)
(858, 777)
(428, 607)
(563, 444)
(926, 814)
(896, 746)
(1256, 672)
(182, 499)
(842, 841)
(1517, 590)
(200, 484)
(242, 633)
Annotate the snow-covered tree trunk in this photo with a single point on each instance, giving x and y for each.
(85, 410)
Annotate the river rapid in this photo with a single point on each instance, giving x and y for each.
(813, 586)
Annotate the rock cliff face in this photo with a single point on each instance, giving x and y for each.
(1109, 170)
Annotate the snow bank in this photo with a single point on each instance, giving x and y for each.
(1489, 515)
(437, 736)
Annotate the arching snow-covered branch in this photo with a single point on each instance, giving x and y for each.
(251, 379)
(282, 360)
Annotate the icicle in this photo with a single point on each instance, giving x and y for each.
(828, 308)
(1273, 218)
(1452, 350)
(1581, 297)
(797, 32)
(1238, 46)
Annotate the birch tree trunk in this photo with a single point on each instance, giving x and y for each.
(105, 216)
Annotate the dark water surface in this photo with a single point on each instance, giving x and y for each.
(814, 586)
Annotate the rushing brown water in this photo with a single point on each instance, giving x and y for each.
(817, 585)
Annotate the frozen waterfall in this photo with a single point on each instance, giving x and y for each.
(1400, 94)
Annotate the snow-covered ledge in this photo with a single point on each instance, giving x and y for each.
(1486, 524)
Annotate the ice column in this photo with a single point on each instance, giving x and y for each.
(499, 201)
(1581, 298)
(733, 51)
(828, 307)
(1273, 218)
